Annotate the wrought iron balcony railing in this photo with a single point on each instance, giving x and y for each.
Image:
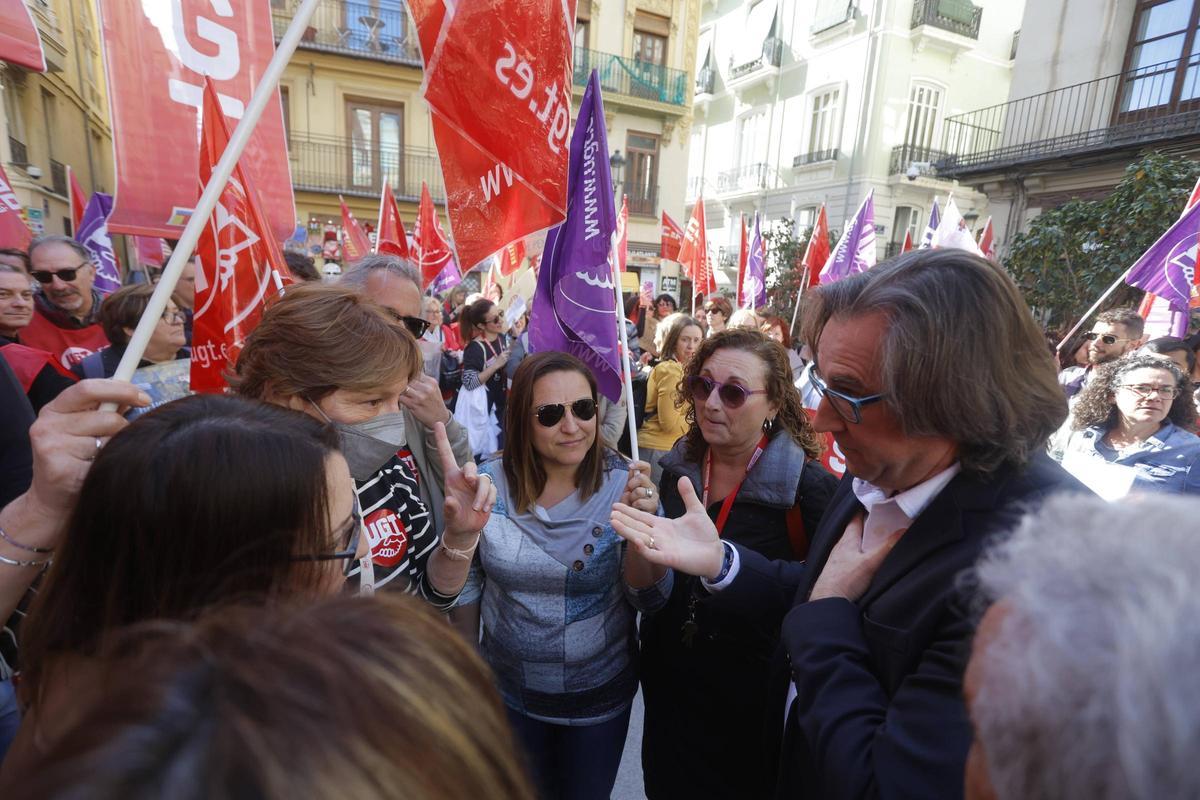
(339, 166)
(379, 30)
(905, 155)
(20, 154)
(695, 185)
(643, 200)
(957, 16)
(771, 56)
(706, 80)
(815, 157)
(752, 177)
(1132, 109)
(892, 249)
(58, 178)
(633, 78)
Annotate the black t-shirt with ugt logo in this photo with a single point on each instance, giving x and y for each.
(399, 529)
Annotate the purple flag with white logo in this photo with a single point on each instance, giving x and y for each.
(754, 282)
(855, 251)
(1168, 268)
(93, 234)
(575, 305)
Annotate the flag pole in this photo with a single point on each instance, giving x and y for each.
(379, 225)
(212, 192)
(626, 375)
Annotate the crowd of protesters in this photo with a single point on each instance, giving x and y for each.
(406, 555)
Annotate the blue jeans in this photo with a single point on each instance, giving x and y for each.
(572, 762)
(10, 715)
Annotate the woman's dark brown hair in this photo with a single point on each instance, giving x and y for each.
(671, 340)
(320, 338)
(199, 501)
(473, 317)
(366, 698)
(1097, 408)
(719, 304)
(123, 309)
(791, 420)
(522, 465)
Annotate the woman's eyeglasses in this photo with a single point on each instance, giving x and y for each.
(1107, 338)
(551, 414)
(174, 317)
(1144, 390)
(731, 395)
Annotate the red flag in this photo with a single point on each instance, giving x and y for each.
(511, 257)
(149, 250)
(817, 251)
(391, 228)
(433, 250)
(241, 264)
(78, 199)
(355, 244)
(743, 258)
(19, 40)
(623, 235)
(908, 244)
(13, 230)
(498, 83)
(693, 253)
(987, 243)
(157, 55)
(672, 238)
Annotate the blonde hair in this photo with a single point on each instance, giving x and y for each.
(744, 318)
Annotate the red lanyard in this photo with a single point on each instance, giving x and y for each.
(727, 506)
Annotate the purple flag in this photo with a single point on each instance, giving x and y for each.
(855, 251)
(447, 279)
(754, 282)
(935, 220)
(1168, 268)
(93, 234)
(575, 305)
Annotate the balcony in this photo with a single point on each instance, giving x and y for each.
(336, 166)
(955, 16)
(727, 258)
(629, 79)
(752, 178)
(762, 70)
(643, 200)
(706, 81)
(1101, 118)
(906, 155)
(828, 20)
(815, 157)
(58, 178)
(892, 249)
(377, 30)
(20, 155)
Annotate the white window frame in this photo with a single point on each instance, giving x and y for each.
(933, 132)
(831, 137)
(914, 224)
(765, 134)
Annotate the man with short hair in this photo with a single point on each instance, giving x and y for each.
(66, 307)
(1082, 683)
(395, 284)
(16, 302)
(39, 373)
(934, 383)
(14, 257)
(1116, 332)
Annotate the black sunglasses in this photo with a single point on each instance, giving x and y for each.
(46, 276)
(730, 394)
(550, 415)
(1107, 338)
(416, 325)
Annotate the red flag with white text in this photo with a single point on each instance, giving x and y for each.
(693, 253)
(390, 230)
(241, 265)
(157, 55)
(355, 243)
(20, 43)
(672, 238)
(816, 253)
(13, 230)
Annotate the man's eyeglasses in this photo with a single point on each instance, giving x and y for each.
(847, 406)
(415, 325)
(66, 275)
(731, 395)
(1144, 390)
(551, 414)
(347, 543)
(1107, 338)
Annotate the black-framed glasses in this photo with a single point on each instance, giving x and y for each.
(494, 319)
(347, 543)
(415, 325)
(46, 276)
(847, 406)
(1107, 338)
(1144, 390)
(551, 414)
(731, 395)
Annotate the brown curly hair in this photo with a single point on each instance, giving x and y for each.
(792, 418)
(1096, 407)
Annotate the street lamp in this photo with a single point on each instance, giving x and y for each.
(617, 162)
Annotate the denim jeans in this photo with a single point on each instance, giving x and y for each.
(572, 762)
(10, 715)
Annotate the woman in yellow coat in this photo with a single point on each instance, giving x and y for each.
(678, 337)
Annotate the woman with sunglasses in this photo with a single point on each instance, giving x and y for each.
(545, 599)
(749, 453)
(202, 501)
(119, 315)
(335, 355)
(1130, 430)
(676, 339)
(485, 355)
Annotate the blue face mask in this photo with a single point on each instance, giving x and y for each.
(368, 445)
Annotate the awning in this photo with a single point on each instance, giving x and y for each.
(704, 50)
(759, 26)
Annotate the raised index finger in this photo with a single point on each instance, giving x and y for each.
(449, 465)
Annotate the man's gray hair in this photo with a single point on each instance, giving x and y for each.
(56, 238)
(360, 271)
(1090, 687)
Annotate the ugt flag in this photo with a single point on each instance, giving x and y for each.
(389, 234)
(93, 234)
(816, 252)
(355, 244)
(855, 251)
(439, 271)
(672, 238)
(1168, 268)
(575, 305)
(754, 284)
(693, 252)
(240, 261)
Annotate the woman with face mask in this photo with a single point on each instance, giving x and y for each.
(337, 356)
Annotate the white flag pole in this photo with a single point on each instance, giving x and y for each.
(626, 375)
(208, 199)
(1088, 314)
(379, 225)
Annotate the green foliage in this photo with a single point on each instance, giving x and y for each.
(1072, 253)
(785, 270)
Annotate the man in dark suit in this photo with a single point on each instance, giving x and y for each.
(936, 385)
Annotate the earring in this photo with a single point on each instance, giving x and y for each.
(768, 424)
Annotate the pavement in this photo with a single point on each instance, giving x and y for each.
(629, 784)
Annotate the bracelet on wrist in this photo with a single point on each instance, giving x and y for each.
(25, 547)
(460, 555)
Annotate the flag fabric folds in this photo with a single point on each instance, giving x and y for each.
(1163, 317)
(355, 244)
(13, 230)
(439, 271)
(743, 255)
(149, 250)
(816, 252)
(672, 238)
(693, 252)
(908, 243)
(987, 241)
(20, 43)
(623, 235)
(78, 199)
(1168, 268)
(952, 230)
(935, 218)
(93, 234)
(574, 307)
(511, 257)
(240, 263)
(391, 228)
(855, 251)
(754, 284)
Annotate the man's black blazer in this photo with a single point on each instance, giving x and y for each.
(879, 710)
